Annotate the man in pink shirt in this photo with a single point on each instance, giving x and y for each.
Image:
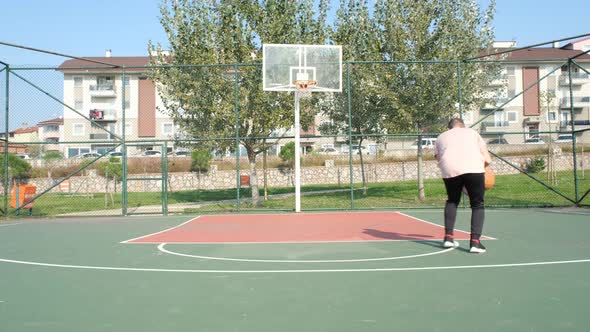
(462, 156)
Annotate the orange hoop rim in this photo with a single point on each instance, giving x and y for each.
(303, 85)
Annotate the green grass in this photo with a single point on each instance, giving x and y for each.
(510, 190)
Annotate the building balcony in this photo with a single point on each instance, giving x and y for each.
(51, 134)
(579, 102)
(486, 125)
(494, 104)
(103, 90)
(105, 115)
(101, 136)
(577, 79)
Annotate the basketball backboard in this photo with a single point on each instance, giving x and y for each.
(283, 64)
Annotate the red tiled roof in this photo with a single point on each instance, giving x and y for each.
(543, 53)
(26, 130)
(77, 66)
(56, 121)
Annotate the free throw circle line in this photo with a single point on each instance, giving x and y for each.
(162, 249)
(392, 269)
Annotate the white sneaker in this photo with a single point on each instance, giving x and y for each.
(476, 247)
(450, 244)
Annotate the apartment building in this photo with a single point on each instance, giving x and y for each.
(544, 107)
(101, 93)
(51, 132)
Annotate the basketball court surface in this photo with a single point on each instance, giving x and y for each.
(347, 271)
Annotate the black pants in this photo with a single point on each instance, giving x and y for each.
(475, 185)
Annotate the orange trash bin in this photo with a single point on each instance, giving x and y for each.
(23, 193)
(244, 180)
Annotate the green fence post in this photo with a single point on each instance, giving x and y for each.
(460, 89)
(6, 133)
(237, 125)
(124, 193)
(165, 178)
(349, 96)
(572, 114)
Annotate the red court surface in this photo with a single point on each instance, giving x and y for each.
(302, 227)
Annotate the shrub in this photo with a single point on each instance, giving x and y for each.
(535, 165)
(18, 169)
(201, 161)
(287, 153)
(111, 170)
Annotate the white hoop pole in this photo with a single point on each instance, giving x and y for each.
(297, 156)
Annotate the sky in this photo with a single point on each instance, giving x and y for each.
(89, 27)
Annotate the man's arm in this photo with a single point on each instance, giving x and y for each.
(483, 149)
(486, 155)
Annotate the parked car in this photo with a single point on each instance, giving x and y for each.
(151, 153)
(23, 156)
(564, 138)
(498, 141)
(328, 151)
(427, 143)
(116, 154)
(88, 155)
(355, 149)
(534, 140)
(180, 153)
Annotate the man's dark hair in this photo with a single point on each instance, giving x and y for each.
(456, 122)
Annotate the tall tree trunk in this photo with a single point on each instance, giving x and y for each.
(253, 177)
(364, 179)
(264, 170)
(421, 193)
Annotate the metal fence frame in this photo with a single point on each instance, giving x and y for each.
(121, 141)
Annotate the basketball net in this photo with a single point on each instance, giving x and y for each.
(304, 88)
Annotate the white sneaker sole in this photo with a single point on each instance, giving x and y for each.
(475, 250)
(449, 244)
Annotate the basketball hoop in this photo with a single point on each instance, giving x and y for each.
(304, 88)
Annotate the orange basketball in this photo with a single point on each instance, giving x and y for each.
(490, 178)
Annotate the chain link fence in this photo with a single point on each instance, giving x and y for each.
(95, 140)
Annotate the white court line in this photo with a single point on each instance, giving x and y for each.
(428, 222)
(307, 242)
(166, 230)
(161, 248)
(20, 223)
(393, 269)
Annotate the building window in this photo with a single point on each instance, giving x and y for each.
(78, 80)
(51, 128)
(168, 128)
(510, 70)
(126, 81)
(79, 105)
(512, 116)
(105, 83)
(551, 116)
(72, 152)
(78, 129)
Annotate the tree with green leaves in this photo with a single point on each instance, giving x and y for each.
(213, 34)
(19, 170)
(51, 160)
(424, 95)
(358, 34)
